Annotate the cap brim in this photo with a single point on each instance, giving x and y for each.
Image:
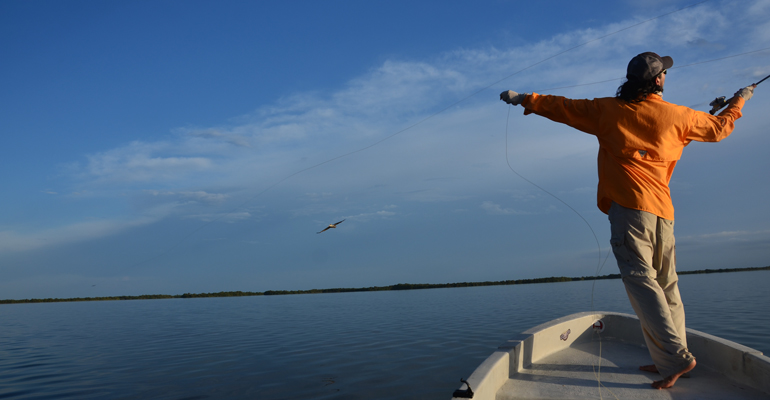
(668, 62)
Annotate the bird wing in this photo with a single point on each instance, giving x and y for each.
(334, 225)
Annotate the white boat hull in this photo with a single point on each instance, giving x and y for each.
(561, 359)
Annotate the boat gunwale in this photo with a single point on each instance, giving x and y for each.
(737, 362)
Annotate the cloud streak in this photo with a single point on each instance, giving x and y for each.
(315, 156)
(496, 209)
(385, 99)
(12, 241)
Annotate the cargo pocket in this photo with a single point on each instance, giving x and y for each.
(618, 241)
(627, 259)
(623, 221)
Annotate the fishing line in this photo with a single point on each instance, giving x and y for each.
(672, 68)
(250, 200)
(421, 121)
(598, 374)
(600, 264)
(597, 368)
(507, 160)
(259, 194)
(593, 40)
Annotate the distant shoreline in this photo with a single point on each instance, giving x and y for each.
(400, 286)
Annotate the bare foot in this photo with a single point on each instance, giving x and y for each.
(649, 368)
(669, 381)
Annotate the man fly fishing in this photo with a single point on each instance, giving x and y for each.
(641, 138)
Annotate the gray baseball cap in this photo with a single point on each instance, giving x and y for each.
(647, 66)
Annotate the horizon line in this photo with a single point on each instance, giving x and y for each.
(398, 286)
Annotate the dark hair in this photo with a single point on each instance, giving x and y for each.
(635, 91)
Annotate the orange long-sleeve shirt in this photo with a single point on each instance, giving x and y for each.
(639, 143)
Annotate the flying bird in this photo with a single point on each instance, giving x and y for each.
(334, 225)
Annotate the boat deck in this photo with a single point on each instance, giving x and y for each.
(596, 355)
(576, 373)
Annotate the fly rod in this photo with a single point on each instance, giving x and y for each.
(720, 102)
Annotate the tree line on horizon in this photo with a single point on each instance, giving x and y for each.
(400, 286)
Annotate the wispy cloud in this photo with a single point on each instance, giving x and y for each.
(12, 241)
(227, 137)
(140, 162)
(221, 217)
(192, 165)
(367, 216)
(191, 196)
(497, 209)
(386, 99)
(726, 236)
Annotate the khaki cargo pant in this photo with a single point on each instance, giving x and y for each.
(643, 244)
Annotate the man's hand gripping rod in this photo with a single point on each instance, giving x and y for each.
(720, 102)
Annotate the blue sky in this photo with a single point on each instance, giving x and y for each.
(167, 147)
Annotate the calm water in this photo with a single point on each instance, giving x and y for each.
(383, 345)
